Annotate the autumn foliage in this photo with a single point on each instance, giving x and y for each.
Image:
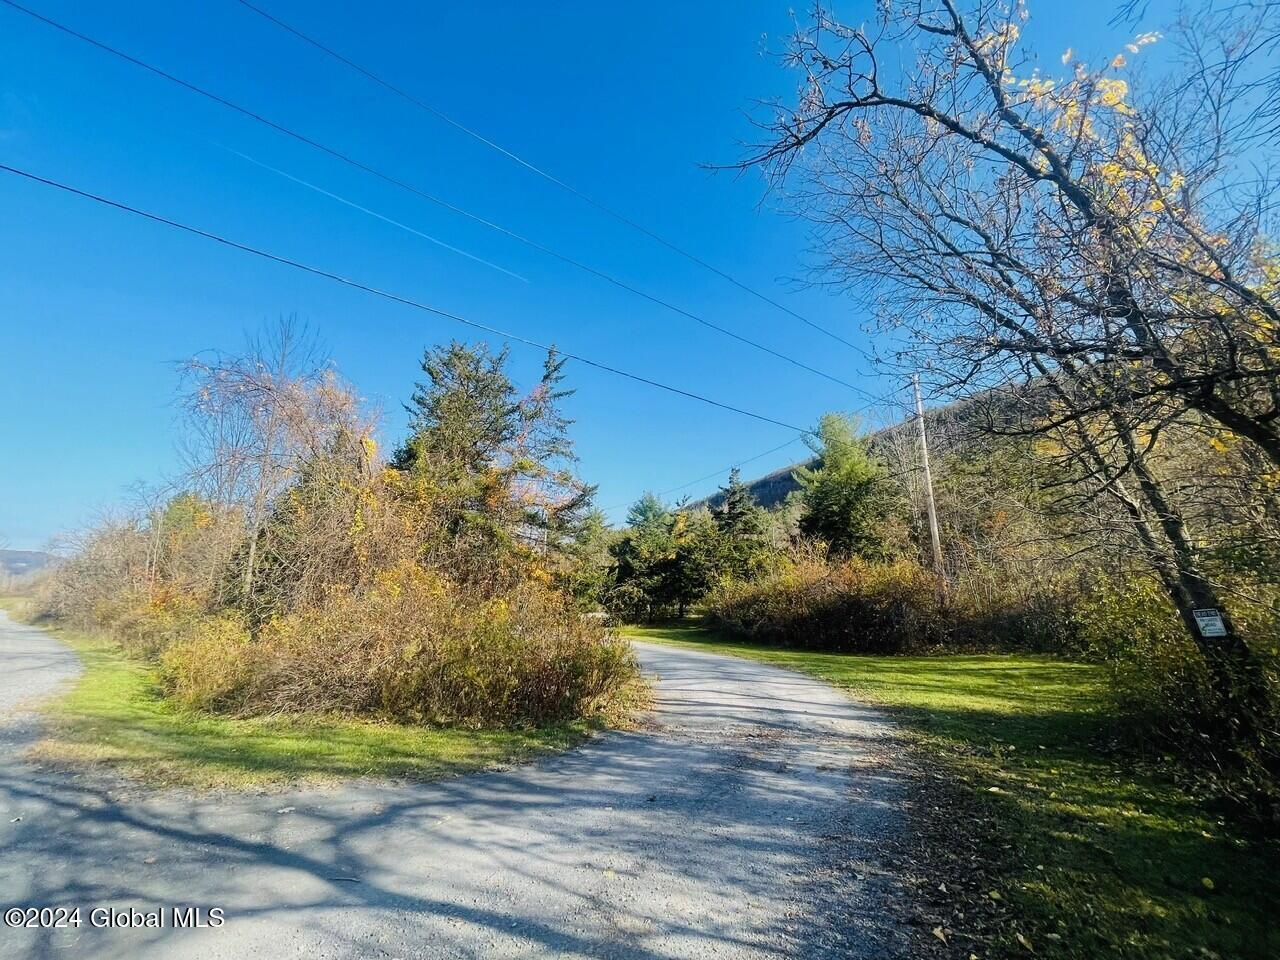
(301, 573)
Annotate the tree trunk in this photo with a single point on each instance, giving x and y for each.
(1237, 674)
(249, 562)
(1264, 435)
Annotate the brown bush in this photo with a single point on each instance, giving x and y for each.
(1016, 612)
(853, 606)
(868, 607)
(414, 648)
(210, 664)
(147, 627)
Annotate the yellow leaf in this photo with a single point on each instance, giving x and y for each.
(1111, 93)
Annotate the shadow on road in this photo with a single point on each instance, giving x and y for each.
(739, 828)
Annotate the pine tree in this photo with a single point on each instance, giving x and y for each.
(646, 511)
(464, 415)
(587, 574)
(666, 561)
(847, 501)
(695, 561)
(740, 524)
(501, 466)
(736, 503)
(641, 559)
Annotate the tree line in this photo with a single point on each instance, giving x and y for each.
(293, 568)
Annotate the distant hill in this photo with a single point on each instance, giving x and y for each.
(947, 426)
(19, 563)
(770, 490)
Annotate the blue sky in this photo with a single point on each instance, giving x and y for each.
(622, 102)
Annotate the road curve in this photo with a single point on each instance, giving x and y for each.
(743, 821)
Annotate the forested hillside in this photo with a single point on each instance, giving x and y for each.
(948, 425)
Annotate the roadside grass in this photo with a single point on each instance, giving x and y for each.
(117, 717)
(16, 607)
(1090, 850)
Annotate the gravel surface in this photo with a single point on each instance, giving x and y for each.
(744, 820)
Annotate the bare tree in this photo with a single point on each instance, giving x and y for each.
(1096, 232)
(1018, 214)
(254, 421)
(107, 565)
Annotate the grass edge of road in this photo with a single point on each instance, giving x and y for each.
(1033, 832)
(115, 717)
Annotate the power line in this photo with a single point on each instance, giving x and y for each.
(373, 213)
(551, 178)
(395, 181)
(716, 473)
(723, 470)
(337, 278)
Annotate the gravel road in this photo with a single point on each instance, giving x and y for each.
(743, 821)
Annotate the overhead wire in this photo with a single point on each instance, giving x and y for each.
(453, 208)
(373, 213)
(759, 456)
(716, 473)
(387, 295)
(431, 198)
(539, 171)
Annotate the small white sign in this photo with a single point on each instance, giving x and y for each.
(1210, 623)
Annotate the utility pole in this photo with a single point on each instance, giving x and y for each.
(932, 508)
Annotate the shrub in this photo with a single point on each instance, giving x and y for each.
(147, 627)
(1162, 684)
(210, 667)
(629, 602)
(868, 607)
(853, 606)
(414, 648)
(1024, 613)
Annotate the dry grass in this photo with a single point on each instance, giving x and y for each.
(117, 717)
(417, 648)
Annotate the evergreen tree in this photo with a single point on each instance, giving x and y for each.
(666, 560)
(738, 508)
(499, 465)
(641, 558)
(463, 415)
(740, 525)
(646, 511)
(847, 502)
(695, 560)
(555, 500)
(587, 574)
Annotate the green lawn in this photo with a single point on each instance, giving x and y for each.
(1102, 855)
(115, 715)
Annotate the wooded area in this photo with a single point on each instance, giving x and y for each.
(1085, 261)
